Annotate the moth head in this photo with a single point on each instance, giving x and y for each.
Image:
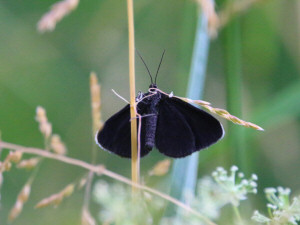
(153, 86)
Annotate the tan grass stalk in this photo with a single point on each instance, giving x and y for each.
(57, 198)
(235, 8)
(95, 90)
(208, 8)
(29, 163)
(223, 113)
(135, 159)
(101, 170)
(58, 11)
(21, 200)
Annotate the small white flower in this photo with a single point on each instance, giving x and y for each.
(253, 184)
(245, 182)
(259, 217)
(241, 175)
(214, 174)
(282, 211)
(220, 169)
(270, 190)
(254, 176)
(236, 189)
(234, 168)
(271, 206)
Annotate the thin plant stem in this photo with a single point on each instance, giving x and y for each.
(87, 191)
(135, 159)
(101, 170)
(88, 187)
(238, 215)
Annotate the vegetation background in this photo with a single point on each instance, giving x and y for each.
(52, 70)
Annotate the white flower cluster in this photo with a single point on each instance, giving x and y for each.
(212, 194)
(118, 207)
(281, 210)
(235, 185)
(209, 200)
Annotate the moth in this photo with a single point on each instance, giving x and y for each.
(175, 127)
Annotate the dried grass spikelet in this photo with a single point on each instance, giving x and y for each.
(234, 8)
(82, 182)
(161, 168)
(223, 113)
(86, 218)
(29, 163)
(15, 156)
(5, 166)
(208, 8)
(57, 145)
(21, 200)
(95, 89)
(58, 11)
(44, 125)
(57, 198)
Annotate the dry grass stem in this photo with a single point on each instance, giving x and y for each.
(58, 11)
(208, 8)
(101, 170)
(135, 159)
(57, 198)
(95, 102)
(86, 218)
(29, 163)
(223, 113)
(216, 21)
(21, 200)
(57, 145)
(235, 8)
(161, 168)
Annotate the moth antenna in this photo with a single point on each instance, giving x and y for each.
(120, 96)
(159, 65)
(145, 65)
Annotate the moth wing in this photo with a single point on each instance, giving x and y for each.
(115, 136)
(174, 136)
(204, 129)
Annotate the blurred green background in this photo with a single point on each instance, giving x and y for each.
(52, 70)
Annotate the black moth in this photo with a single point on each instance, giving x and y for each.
(174, 127)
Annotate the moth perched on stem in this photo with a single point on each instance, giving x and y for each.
(169, 123)
(175, 127)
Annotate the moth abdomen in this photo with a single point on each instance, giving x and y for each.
(151, 123)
